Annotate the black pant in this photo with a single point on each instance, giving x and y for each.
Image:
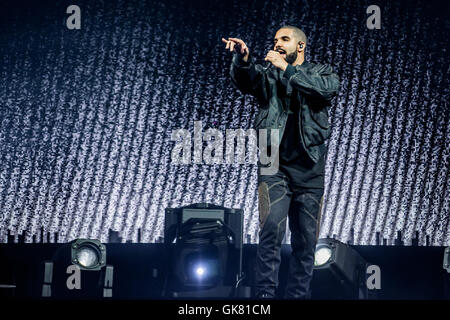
(278, 198)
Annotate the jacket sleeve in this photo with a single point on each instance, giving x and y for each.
(318, 82)
(249, 78)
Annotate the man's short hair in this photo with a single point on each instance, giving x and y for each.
(297, 32)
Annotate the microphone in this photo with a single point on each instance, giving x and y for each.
(269, 64)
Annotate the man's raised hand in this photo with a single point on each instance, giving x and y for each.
(237, 45)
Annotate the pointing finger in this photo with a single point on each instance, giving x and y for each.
(237, 40)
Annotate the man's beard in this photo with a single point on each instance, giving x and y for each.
(291, 57)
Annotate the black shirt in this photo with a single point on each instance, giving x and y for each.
(294, 161)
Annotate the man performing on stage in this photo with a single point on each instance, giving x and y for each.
(294, 97)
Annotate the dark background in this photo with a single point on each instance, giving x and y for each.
(86, 115)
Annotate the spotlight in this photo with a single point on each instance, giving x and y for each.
(88, 254)
(339, 271)
(323, 255)
(93, 278)
(200, 271)
(446, 266)
(446, 263)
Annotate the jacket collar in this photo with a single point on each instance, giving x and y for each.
(305, 64)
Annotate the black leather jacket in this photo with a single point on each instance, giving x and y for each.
(313, 85)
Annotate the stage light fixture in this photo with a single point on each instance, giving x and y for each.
(446, 277)
(204, 247)
(88, 254)
(339, 271)
(446, 263)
